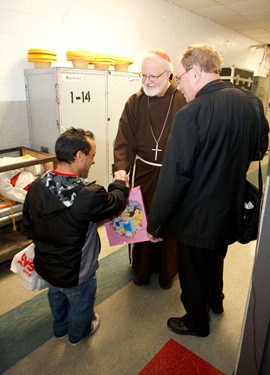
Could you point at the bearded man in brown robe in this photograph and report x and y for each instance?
(140, 143)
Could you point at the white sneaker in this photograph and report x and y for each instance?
(61, 337)
(94, 326)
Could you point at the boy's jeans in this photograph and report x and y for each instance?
(73, 309)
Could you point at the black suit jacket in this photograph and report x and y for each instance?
(199, 198)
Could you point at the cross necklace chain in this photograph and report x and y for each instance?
(156, 150)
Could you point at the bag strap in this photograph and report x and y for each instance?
(255, 102)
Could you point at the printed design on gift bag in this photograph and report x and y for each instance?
(27, 264)
(130, 225)
(130, 221)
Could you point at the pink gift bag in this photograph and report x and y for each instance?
(130, 225)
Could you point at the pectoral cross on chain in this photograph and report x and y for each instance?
(156, 150)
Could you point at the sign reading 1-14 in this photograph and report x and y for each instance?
(84, 97)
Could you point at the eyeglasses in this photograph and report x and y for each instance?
(152, 78)
(178, 79)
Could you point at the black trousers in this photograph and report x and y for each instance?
(201, 281)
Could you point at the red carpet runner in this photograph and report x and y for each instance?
(175, 359)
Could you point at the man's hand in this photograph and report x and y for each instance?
(154, 239)
(121, 175)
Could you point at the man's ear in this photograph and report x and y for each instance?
(79, 156)
(197, 72)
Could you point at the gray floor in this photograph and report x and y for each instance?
(133, 325)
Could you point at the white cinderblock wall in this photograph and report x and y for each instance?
(119, 27)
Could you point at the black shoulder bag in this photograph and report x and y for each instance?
(253, 195)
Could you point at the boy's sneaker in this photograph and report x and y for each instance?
(61, 337)
(94, 326)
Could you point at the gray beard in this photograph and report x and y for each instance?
(153, 91)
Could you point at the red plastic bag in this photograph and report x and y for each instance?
(23, 264)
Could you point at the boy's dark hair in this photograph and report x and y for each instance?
(72, 141)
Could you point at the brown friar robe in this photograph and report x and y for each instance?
(134, 137)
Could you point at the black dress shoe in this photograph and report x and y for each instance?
(167, 285)
(217, 309)
(216, 305)
(177, 325)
